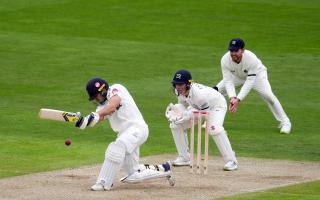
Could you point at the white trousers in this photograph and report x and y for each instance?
(132, 138)
(216, 130)
(124, 152)
(263, 87)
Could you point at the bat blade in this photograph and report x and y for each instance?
(58, 115)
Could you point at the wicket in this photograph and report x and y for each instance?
(199, 115)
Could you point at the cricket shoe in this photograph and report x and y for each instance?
(171, 176)
(99, 186)
(285, 128)
(230, 166)
(181, 161)
(147, 174)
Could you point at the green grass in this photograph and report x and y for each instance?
(306, 191)
(50, 49)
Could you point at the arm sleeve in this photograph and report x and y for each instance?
(113, 91)
(248, 84)
(227, 78)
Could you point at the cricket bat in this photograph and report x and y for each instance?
(58, 115)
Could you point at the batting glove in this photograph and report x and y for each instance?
(90, 120)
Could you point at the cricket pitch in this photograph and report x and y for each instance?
(252, 175)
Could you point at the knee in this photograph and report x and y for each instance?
(269, 98)
(215, 129)
(116, 152)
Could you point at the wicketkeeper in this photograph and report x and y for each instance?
(194, 96)
(117, 105)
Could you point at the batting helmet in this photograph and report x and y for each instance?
(97, 86)
(182, 76)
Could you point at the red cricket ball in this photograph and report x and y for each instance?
(67, 142)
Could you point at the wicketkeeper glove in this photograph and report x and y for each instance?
(186, 116)
(169, 110)
(177, 113)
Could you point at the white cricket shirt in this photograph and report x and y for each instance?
(202, 97)
(247, 70)
(127, 114)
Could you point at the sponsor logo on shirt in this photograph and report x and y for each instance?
(114, 91)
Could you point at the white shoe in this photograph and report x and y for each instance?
(230, 166)
(170, 177)
(285, 128)
(146, 174)
(97, 187)
(181, 161)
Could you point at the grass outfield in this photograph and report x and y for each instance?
(306, 191)
(49, 49)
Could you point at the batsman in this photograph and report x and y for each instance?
(117, 105)
(194, 96)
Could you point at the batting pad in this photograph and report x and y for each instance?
(181, 141)
(222, 141)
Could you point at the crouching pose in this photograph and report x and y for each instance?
(117, 105)
(195, 96)
(242, 67)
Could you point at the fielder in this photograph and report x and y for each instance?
(195, 96)
(117, 105)
(242, 67)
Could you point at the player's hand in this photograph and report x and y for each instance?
(90, 120)
(186, 116)
(80, 121)
(169, 110)
(233, 105)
